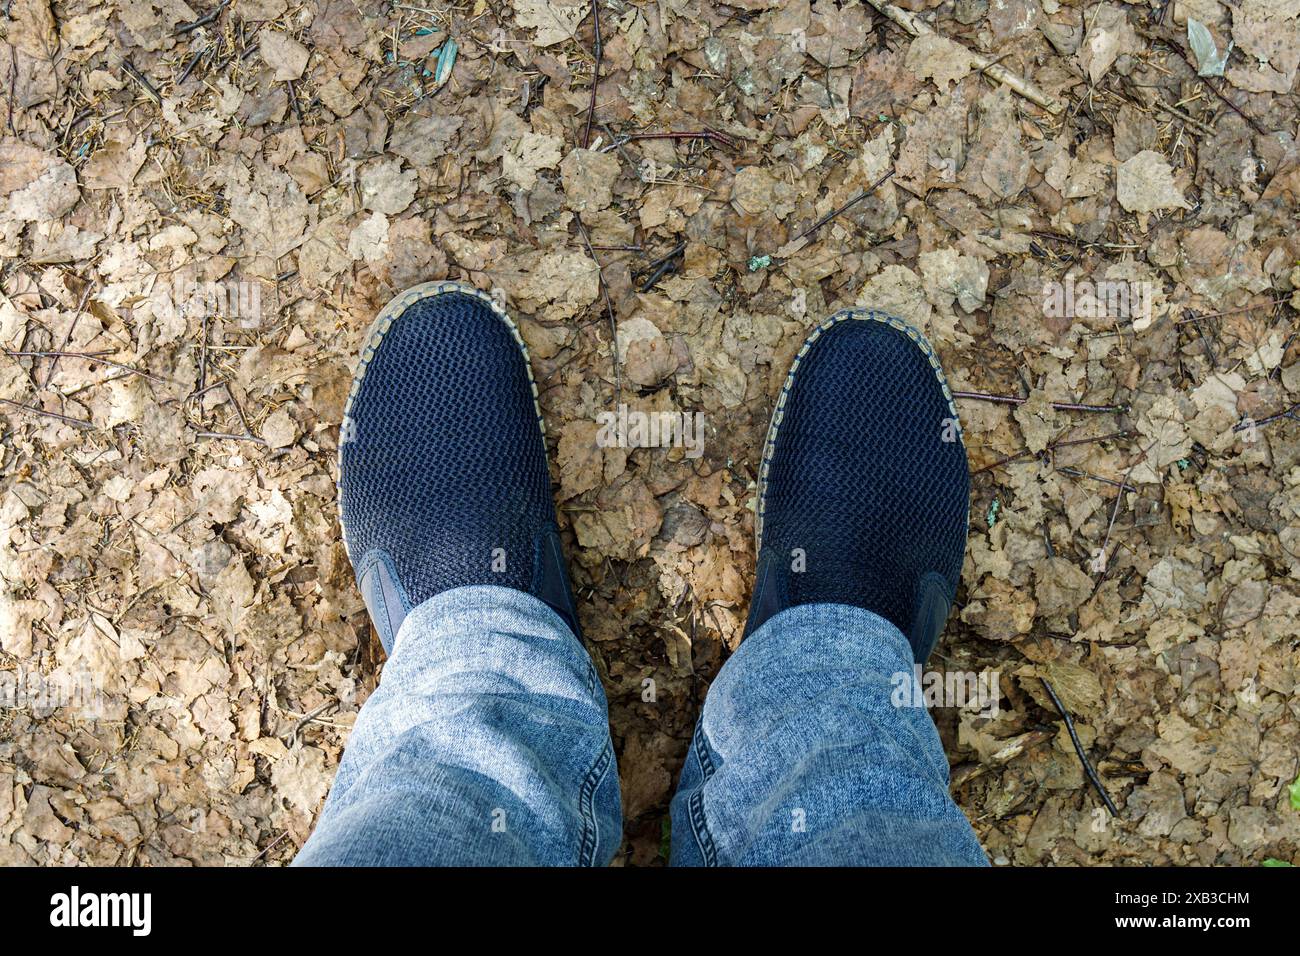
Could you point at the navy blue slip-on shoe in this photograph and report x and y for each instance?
(442, 459)
(863, 488)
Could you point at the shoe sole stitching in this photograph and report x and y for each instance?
(778, 412)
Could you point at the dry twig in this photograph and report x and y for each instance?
(1059, 406)
(990, 67)
(66, 419)
(1088, 768)
(609, 308)
(595, 78)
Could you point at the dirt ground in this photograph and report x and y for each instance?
(206, 204)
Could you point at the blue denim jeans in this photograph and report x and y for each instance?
(487, 742)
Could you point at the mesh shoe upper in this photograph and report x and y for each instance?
(864, 492)
(443, 479)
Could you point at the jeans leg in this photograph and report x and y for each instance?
(486, 743)
(801, 758)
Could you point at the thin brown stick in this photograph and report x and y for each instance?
(243, 419)
(203, 20)
(13, 85)
(844, 208)
(142, 81)
(1077, 473)
(1059, 406)
(208, 388)
(1177, 48)
(1273, 304)
(67, 337)
(670, 255)
(1001, 461)
(710, 134)
(609, 309)
(89, 357)
(1088, 768)
(918, 27)
(66, 419)
(271, 846)
(230, 394)
(228, 436)
(1285, 413)
(1122, 433)
(1174, 111)
(189, 67)
(203, 354)
(1048, 450)
(595, 78)
(661, 267)
(293, 99)
(307, 719)
(1114, 513)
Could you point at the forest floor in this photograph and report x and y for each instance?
(205, 205)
